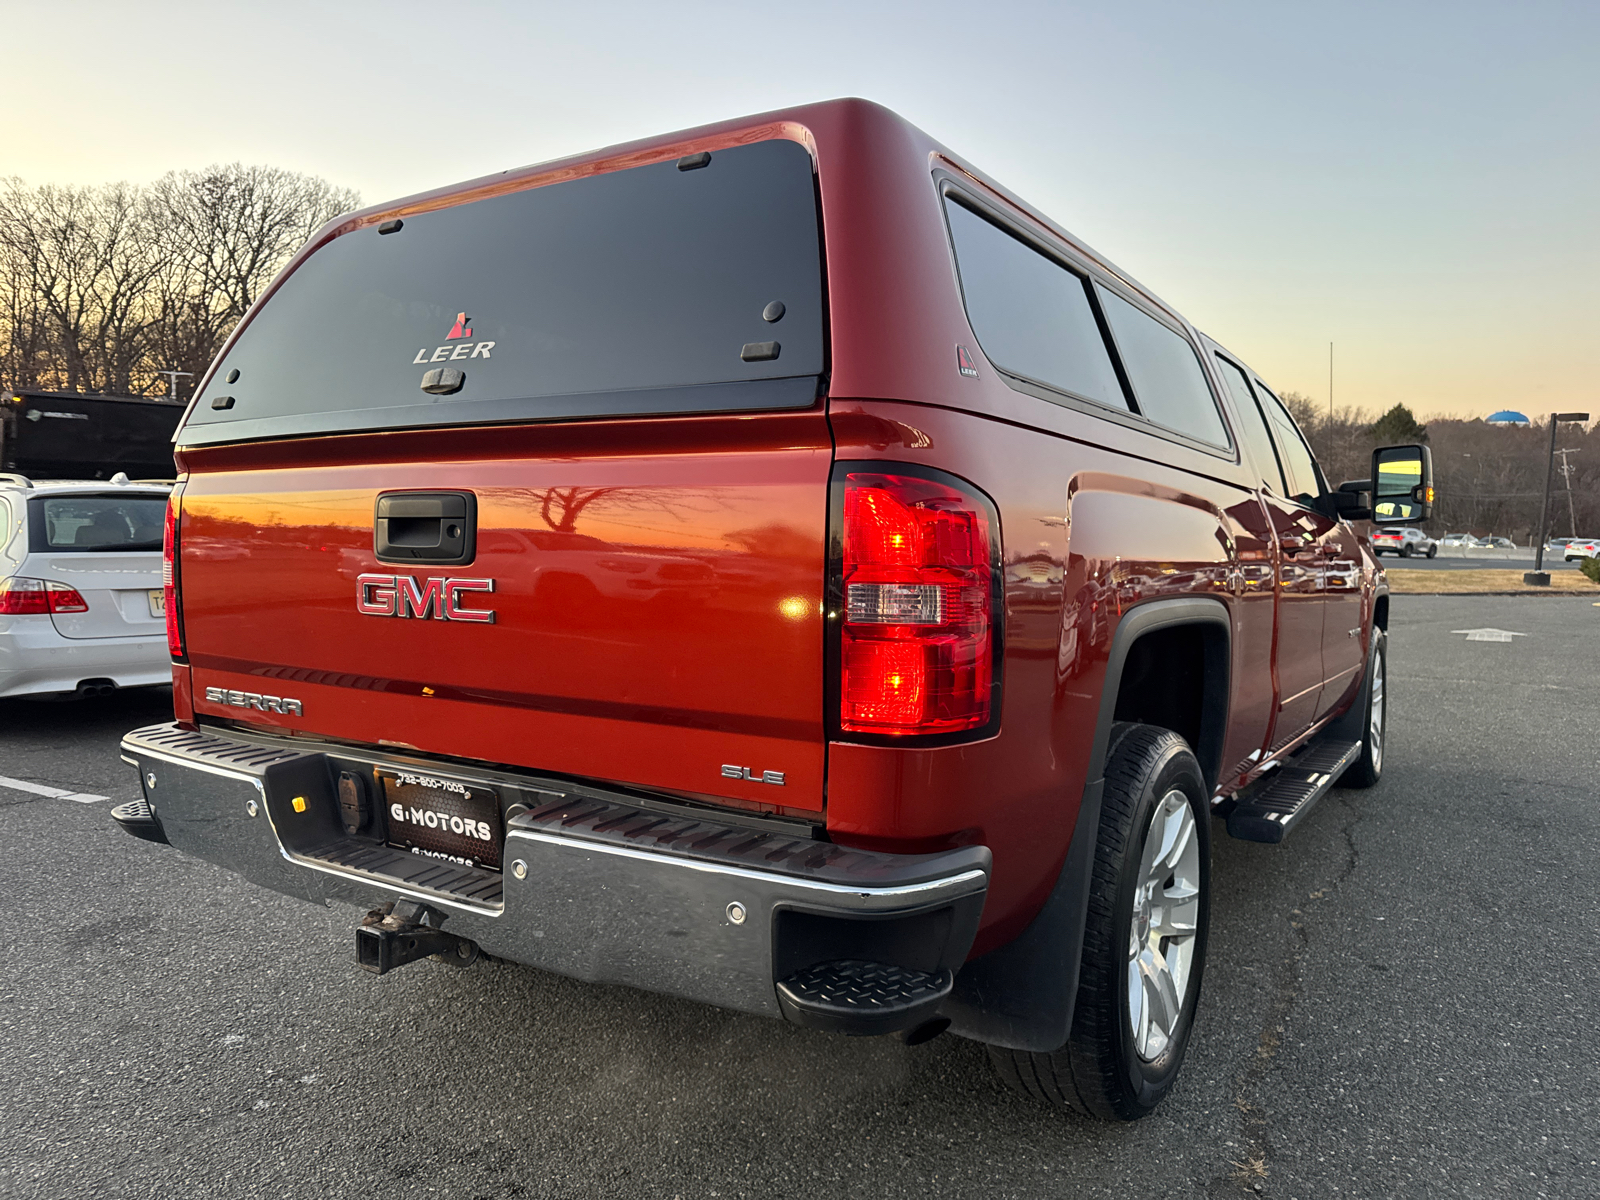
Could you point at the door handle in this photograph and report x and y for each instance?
(425, 527)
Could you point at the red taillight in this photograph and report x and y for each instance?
(169, 574)
(31, 597)
(918, 643)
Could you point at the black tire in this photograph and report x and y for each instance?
(1433, 551)
(1358, 722)
(1406, 551)
(1099, 1072)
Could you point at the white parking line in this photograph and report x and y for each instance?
(39, 789)
(1489, 635)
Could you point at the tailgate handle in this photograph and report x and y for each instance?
(425, 527)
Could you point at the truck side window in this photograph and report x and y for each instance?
(1299, 468)
(1253, 428)
(1165, 372)
(1031, 315)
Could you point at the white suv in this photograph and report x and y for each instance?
(1404, 542)
(82, 609)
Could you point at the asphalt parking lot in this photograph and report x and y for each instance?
(1401, 1001)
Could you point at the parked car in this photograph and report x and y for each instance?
(1581, 548)
(970, 581)
(1404, 542)
(82, 610)
(1557, 543)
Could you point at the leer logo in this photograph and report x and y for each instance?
(464, 349)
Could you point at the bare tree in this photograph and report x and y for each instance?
(229, 230)
(25, 355)
(78, 261)
(101, 288)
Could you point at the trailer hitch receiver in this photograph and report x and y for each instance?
(403, 931)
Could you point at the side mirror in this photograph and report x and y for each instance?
(1402, 485)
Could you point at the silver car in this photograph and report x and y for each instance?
(82, 610)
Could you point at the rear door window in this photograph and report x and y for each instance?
(91, 523)
(1168, 382)
(1032, 316)
(650, 289)
(1253, 428)
(1299, 468)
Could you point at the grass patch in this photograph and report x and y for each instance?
(1459, 583)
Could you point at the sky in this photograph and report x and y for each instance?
(1416, 183)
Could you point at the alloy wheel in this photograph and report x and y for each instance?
(1166, 914)
(1375, 721)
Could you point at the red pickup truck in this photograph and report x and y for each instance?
(772, 565)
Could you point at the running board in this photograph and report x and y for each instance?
(1288, 796)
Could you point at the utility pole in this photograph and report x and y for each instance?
(172, 382)
(1566, 474)
(1330, 405)
(1539, 577)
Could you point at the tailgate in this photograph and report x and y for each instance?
(657, 594)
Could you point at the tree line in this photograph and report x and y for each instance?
(103, 287)
(1489, 478)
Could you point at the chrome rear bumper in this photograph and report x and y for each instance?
(599, 886)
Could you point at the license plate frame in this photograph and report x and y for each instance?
(157, 599)
(413, 799)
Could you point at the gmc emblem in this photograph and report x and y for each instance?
(436, 596)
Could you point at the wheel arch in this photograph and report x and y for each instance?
(1175, 673)
(1021, 995)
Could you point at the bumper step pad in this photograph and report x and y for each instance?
(850, 996)
(139, 819)
(1286, 797)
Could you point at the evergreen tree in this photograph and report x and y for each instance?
(1398, 426)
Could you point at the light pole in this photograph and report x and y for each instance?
(1539, 577)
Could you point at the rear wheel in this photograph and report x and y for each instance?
(1144, 938)
(1406, 551)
